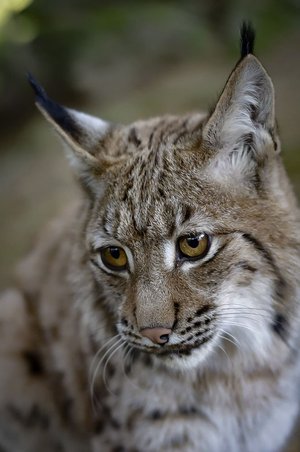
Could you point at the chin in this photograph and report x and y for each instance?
(187, 361)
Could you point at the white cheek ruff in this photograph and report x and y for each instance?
(247, 315)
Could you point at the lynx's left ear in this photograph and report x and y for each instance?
(81, 132)
(242, 124)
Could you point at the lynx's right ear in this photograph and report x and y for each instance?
(81, 132)
(242, 128)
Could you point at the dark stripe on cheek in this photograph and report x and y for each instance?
(245, 266)
(259, 247)
(280, 281)
(280, 325)
(204, 310)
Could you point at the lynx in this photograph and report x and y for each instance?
(161, 313)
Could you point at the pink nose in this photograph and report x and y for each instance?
(157, 335)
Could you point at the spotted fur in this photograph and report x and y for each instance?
(77, 374)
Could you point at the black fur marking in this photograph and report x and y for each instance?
(206, 339)
(132, 137)
(259, 247)
(280, 288)
(176, 309)
(156, 415)
(245, 266)
(280, 322)
(133, 335)
(202, 311)
(281, 283)
(187, 213)
(280, 325)
(247, 39)
(162, 195)
(199, 333)
(57, 112)
(184, 353)
(188, 410)
(150, 140)
(34, 362)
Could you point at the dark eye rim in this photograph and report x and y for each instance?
(181, 257)
(107, 264)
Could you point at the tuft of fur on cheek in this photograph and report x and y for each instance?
(246, 313)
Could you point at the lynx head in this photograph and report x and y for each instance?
(188, 221)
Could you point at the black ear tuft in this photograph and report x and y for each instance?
(247, 39)
(37, 88)
(57, 112)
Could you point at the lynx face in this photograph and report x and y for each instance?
(183, 259)
(187, 221)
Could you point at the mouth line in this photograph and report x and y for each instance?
(174, 349)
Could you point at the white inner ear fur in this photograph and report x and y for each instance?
(78, 155)
(92, 128)
(252, 89)
(231, 124)
(235, 164)
(77, 151)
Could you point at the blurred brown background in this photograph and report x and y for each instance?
(122, 60)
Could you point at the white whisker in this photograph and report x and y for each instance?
(221, 348)
(105, 367)
(233, 341)
(92, 386)
(241, 325)
(110, 339)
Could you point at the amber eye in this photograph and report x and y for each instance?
(114, 257)
(194, 246)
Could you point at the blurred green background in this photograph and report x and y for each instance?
(122, 60)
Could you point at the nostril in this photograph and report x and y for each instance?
(157, 335)
(164, 338)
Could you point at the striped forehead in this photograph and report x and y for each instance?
(125, 221)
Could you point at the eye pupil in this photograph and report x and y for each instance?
(193, 242)
(115, 252)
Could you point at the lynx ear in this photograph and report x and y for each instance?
(242, 124)
(81, 132)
